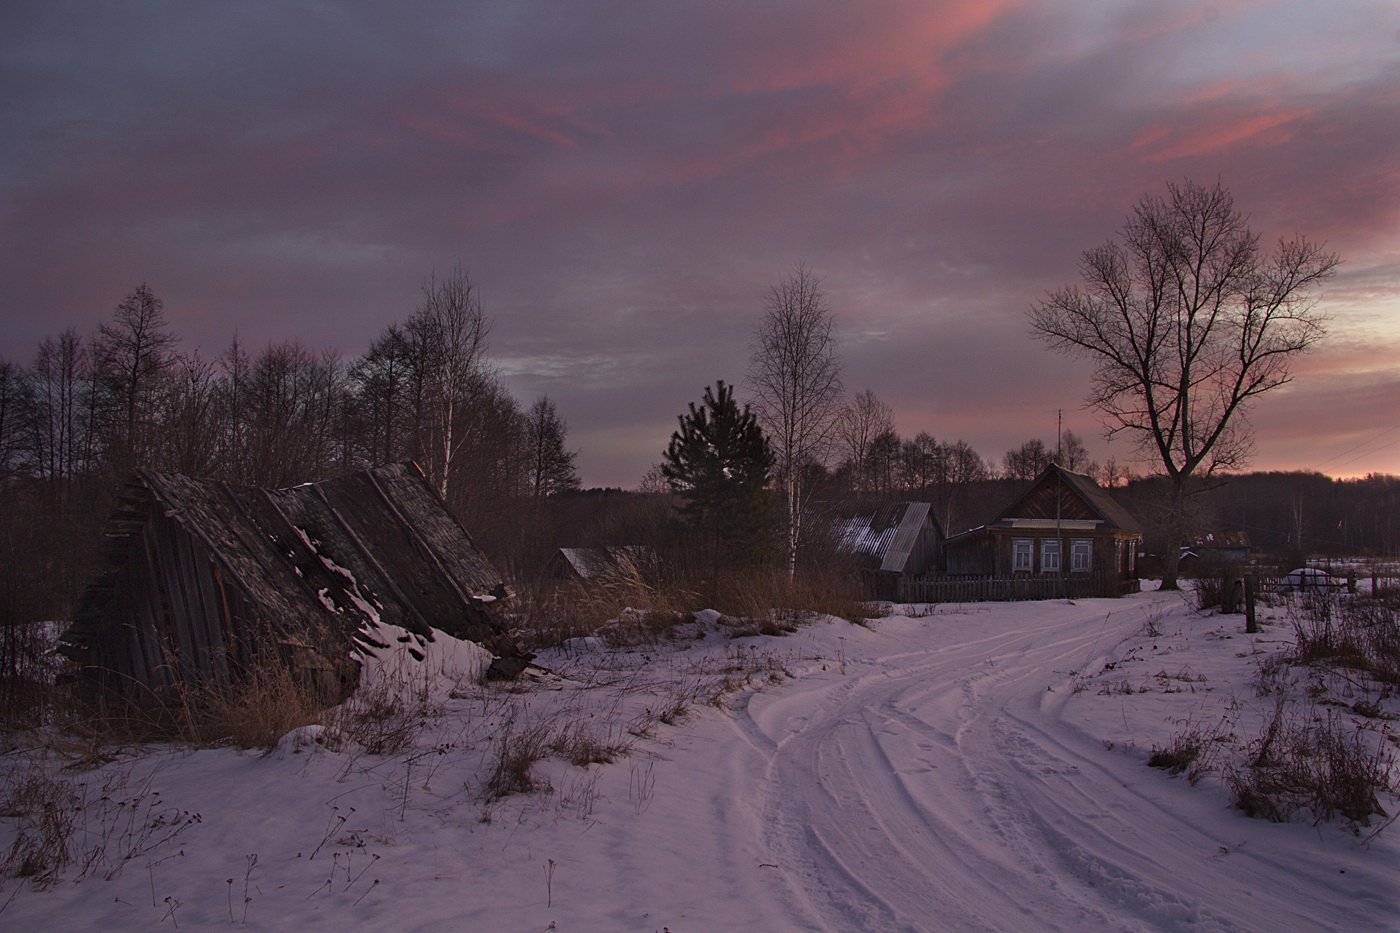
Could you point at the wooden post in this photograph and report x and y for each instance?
(1228, 603)
(1251, 625)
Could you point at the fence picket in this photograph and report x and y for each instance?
(1008, 589)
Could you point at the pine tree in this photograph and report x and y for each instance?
(719, 462)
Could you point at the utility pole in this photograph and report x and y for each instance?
(1059, 498)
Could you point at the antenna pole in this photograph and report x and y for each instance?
(1059, 436)
(1059, 497)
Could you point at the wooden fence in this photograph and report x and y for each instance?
(1010, 589)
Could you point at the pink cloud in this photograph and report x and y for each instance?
(1194, 134)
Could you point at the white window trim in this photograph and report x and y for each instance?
(1019, 547)
(1050, 555)
(1077, 547)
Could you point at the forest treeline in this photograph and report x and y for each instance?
(89, 408)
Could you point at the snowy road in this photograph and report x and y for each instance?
(939, 784)
(983, 768)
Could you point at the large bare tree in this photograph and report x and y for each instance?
(797, 386)
(1187, 322)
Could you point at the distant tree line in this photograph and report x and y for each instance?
(88, 409)
(1288, 516)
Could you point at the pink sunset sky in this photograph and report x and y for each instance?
(624, 181)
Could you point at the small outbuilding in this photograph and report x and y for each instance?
(590, 564)
(204, 581)
(1064, 525)
(1210, 552)
(888, 541)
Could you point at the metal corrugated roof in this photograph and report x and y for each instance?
(881, 536)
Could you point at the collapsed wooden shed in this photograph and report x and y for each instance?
(204, 581)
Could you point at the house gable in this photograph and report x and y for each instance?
(1058, 494)
(1063, 524)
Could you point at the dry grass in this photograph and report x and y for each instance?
(97, 830)
(381, 717)
(260, 706)
(45, 809)
(1313, 763)
(551, 613)
(580, 745)
(626, 607)
(1192, 750)
(776, 604)
(516, 750)
(1360, 634)
(256, 713)
(385, 714)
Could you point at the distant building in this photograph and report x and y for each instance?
(1214, 550)
(584, 564)
(1065, 524)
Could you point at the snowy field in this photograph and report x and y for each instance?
(977, 767)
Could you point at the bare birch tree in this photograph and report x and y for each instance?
(797, 386)
(448, 335)
(863, 420)
(1187, 323)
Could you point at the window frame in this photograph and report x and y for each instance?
(1022, 548)
(1050, 548)
(1081, 547)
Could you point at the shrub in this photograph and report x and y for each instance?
(517, 749)
(1314, 764)
(1362, 634)
(1192, 750)
(1209, 592)
(28, 668)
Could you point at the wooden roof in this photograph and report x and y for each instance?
(1086, 500)
(321, 562)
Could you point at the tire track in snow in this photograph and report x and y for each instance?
(937, 792)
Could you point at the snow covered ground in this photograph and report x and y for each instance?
(977, 767)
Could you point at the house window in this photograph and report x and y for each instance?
(1049, 555)
(1081, 555)
(1021, 555)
